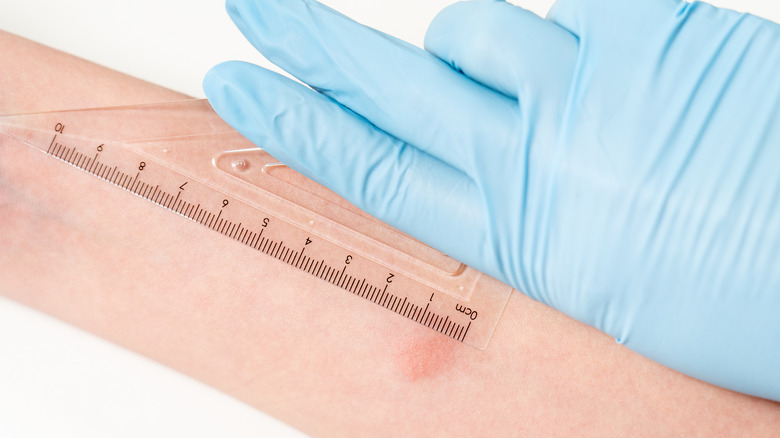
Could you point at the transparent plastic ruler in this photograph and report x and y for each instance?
(184, 158)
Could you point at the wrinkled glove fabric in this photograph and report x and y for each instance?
(618, 161)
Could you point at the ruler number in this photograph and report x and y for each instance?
(472, 314)
(100, 148)
(225, 203)
(265, 222)
(390, 278)
(349, 259)
(59, 127)
(308, 241)
(142, 165)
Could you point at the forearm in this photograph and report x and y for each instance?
(249, 326)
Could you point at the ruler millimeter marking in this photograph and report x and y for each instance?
(180, 156)
(276, 249)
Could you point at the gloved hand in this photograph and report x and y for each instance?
(618, 161)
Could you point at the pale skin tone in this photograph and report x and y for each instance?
(135, 274)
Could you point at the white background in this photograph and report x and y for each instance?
(58, 381)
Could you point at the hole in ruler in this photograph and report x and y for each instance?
(267, 173)
(388, 235)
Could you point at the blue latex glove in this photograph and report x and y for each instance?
(619, 161)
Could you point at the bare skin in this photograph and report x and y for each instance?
(248, 325)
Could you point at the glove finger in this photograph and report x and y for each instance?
(376, 172)
(400, 88)
(504, 47)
